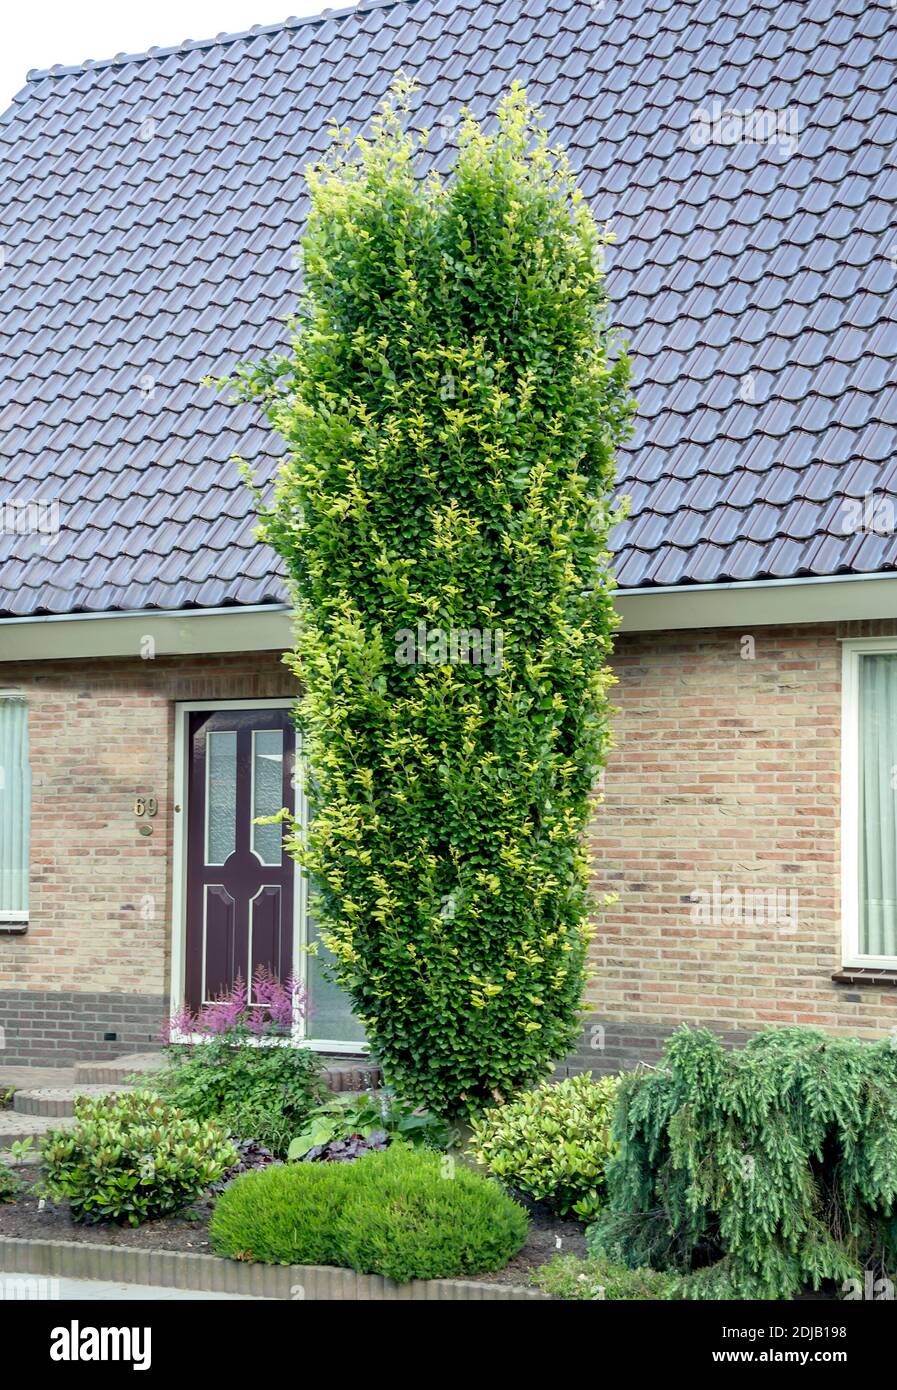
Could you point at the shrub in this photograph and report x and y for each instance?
(240, 1072)
(132, 1158)
(265, 1093)
(371, 1120)
(400, 1213)
(764, 1170)
(410, 1218)
(571, 1278)
(285, 1214)
(10, 1183)
(552, 1143)
(451, 402)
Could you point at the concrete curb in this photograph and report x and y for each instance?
(176, 1269)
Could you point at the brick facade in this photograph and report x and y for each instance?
(726, 771)
(96, 956)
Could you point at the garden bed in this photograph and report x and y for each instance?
(24, 1219)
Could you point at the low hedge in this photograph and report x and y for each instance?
(404, 1213)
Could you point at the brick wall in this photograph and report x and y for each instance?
(101, 733)
(726, 771)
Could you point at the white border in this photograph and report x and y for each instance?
(180, 791)
(852, 650)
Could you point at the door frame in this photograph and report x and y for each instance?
(180, 797)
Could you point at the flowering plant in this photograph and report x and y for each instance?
(270, 1008)
(232, 1061)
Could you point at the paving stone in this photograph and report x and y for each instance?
(58, 1100)
(14, 1126)
(119, 1069)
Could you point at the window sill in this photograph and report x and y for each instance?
(877, 975)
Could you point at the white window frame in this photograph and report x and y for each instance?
(852, 651)
(181, 786)
(14, 919)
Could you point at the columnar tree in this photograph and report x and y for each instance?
(451, 402)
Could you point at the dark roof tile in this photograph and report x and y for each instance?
(754, 282)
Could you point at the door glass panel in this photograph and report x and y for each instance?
(221, 797)
(267, 792)
(330, 1011)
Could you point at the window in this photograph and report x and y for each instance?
(15, 809)
(869, 826)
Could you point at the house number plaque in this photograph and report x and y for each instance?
(145, 806)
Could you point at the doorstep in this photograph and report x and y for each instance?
(44, 1097)
(340, 1073)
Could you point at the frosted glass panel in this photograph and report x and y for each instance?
(331, 1017)
(15, 809)
(221, 800)
(267, 792)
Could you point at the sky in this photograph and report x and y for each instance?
(42, 33)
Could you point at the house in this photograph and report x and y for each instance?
(152, 205)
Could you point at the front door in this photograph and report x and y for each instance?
(239, 877)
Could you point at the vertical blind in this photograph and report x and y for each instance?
(15, 808)
(878, 805)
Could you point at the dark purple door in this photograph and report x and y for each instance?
(239, 877)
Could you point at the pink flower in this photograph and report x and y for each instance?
(270, 1009)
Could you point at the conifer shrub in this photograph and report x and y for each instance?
(759, 1172)
(403, 1212)
(451, 404)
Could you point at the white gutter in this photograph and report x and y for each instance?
(147, 634)
(268, 627)
(822, 599)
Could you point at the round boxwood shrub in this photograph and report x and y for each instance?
(552, 1143)
(405, 1213)
(284, 1214)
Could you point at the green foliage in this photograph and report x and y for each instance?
(11, 1184)
(265, 1092)
(568, 1277)
(451, 405)
(552, 1143)
(368, 1113)
(764, 1170)
(405, 1213)
(130, 1158)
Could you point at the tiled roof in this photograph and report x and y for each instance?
(151, 205)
